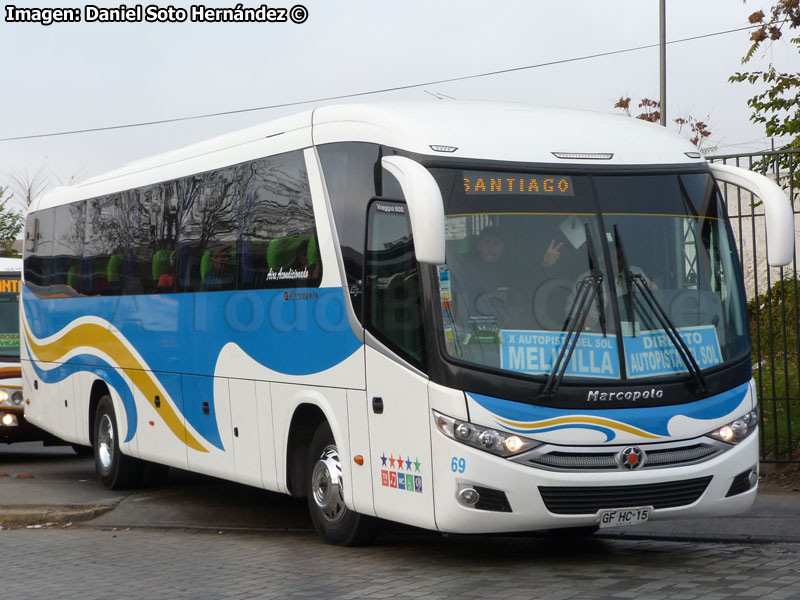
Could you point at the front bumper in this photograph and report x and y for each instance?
(523, 488)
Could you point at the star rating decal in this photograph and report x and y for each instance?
(401, 473)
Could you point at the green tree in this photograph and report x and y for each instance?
(11, 223)
(778, 105)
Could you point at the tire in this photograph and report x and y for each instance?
(82, 450)
(335, 523)
(115, 470)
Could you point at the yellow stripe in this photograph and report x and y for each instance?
(578, 214)
(628, 214)
(579, 420)
(556, 214)
(108, 343)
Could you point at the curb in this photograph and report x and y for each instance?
(13, 516)
(722, 538)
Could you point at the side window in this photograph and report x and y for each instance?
(393, 305)
(104, 247)
(152, 254)
(207, 243)
(277, 243)
(67, 248)
(39, 249)
(353, 177)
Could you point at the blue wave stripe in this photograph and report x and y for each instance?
(294, 331)
(100, 368)
(654, 419)
(609, 433)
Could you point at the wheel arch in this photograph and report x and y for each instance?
(99, 389)
(306, 419)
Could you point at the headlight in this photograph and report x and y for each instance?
(16, 398)
(735, 431)
(3, 397)
(483, 438)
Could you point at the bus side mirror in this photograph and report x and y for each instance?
(777, 208)
(425, 207)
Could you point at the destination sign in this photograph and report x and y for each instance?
(648, 354)
(478, 183)
(536, 352)
(653, 353)
(10, 286)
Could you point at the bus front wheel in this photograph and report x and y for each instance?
(334, 522)
(116, 471)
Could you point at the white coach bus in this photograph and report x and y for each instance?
(466, 317)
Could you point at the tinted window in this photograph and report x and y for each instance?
(67, 247)
(353, 177)
(394, 311)
(278, 245)
(104, 249)
(207, 244)
(152, 252)
(242, 227)
(39, 248)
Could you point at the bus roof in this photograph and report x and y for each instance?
(476, 130)
(10, 265)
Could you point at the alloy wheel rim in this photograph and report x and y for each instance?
(326, 485)
(105, 443)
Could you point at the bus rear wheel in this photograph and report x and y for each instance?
(335, 523)
(116, 471)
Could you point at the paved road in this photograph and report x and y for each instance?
(54, 477)
(148, 563)
(59, 478)
(201, 538)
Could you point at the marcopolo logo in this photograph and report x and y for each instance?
(631, 395)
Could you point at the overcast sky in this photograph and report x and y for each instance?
(87, 75)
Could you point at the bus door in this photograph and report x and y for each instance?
(397, 391)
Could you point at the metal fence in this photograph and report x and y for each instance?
(773, 310)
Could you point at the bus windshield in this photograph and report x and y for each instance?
(628, 262)
(9, 317)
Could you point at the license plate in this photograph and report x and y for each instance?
(622, 517)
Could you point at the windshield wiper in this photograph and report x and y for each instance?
(628, 275)
(640, 283)
(590, 287)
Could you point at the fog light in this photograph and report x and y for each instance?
(752, 479)
(468, 497)
(9, 420)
